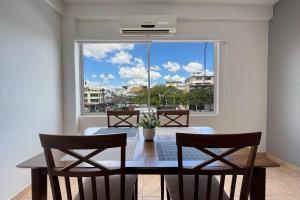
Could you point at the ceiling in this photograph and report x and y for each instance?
(221, 2)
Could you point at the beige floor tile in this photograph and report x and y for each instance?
(151, 186)
(150, 198)
(282, 186)
(28, 194)
(140, 185)
(282, 171)
(269, 197)
(288, 197)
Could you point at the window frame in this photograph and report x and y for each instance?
(148, 42)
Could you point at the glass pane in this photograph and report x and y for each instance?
(115, 76)
(182, 76)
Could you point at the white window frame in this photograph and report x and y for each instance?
(216, 72)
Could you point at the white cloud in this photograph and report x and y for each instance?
(176, 77)
(106, 77)
(100, 51)
(137, 82)
(98, 84)
(94, 75)
(121, 57)
(154, 75)
(193, 67)
(172, 66)
(137, 72)
(138, 62)
(155, 68)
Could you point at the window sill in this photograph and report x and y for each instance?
(192, 114)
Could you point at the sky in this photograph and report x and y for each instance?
(112, 65)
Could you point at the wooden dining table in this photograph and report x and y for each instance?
(147, 157)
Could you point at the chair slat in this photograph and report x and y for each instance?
(80, 188)
(221, 187)
(208, 187)
(196, 177)
(232, 188)
(68, 188)
(94, 187)
(107, 187)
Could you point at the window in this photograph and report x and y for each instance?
(182, 75)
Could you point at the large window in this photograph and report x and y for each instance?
(149, 76)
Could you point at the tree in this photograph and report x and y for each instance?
(200, 97)
(161, 96)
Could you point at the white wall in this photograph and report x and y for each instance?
(245, 28)
(30, 85)
(284, 82)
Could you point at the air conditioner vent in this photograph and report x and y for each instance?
(148, 25)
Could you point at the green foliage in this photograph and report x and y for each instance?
(162, 96)
(149, 120)
(201, 96)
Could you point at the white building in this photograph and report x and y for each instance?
(198, 80)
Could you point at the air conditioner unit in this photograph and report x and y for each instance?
(148, 25)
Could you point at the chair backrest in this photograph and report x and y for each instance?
(173, 118)
(220, 151)
(123, 118)
(66, 169)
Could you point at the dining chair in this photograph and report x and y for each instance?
(94, 180)
(173, 118)
(122, 118)
(206, 180)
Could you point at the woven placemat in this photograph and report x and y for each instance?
(167, 151)
(131, 132)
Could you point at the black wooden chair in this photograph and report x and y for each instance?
(200, 182)
(173, 118)
(122, 118)
(95, 181)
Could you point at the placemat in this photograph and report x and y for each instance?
(131, 132)
(167, 151)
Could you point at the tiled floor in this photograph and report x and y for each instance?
(283, 183)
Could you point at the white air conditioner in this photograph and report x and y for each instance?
(148, 25)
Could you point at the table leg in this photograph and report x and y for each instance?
(39, 184)
(162, 187)
(258, 185)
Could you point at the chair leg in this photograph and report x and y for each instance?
(162, 186)
(136, 189)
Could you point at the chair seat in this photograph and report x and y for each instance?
(188, 184)
(114, 184)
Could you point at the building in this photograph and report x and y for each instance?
(94, 94)
(177, 84)
(133, 89)
(198, 80)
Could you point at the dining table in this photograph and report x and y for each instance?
(148, 157)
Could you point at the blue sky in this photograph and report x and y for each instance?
(117, 64)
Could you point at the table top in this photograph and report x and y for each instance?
(145, 158)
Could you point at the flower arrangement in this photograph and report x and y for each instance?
(149, 121)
